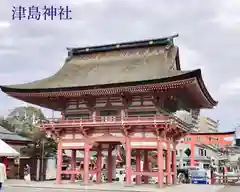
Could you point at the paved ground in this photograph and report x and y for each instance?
(24, 189)
(230, 189)
(22, 186)
(27, 189)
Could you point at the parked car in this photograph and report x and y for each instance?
(184, 174)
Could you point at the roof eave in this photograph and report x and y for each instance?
(205, 91)
(17, 141)
(217, 133)
(191, 74)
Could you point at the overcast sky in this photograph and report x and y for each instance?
(209, 38)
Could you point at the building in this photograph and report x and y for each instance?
(195, 113)
(237, 137)
(14, 166)
(119, 94)
(205, 155)
(13, 139)
(207, 125)
(191, 116)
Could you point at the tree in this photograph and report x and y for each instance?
(25, 122)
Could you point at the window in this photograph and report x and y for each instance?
(206, 166)
(198, 138)
(188, 139)
(77, 116)
(201, 152)
(142, 113)
(108, 113)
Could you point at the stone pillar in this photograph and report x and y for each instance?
(128, 162)
(86, 164)
(168, 163)
(160, 163)
(145, 166)
(181, 158)
(99, 164)
(138, 167)
(59, 163)
(109, 163)
(73, 164)
(174, 164)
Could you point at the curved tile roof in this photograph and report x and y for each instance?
(111, 68)
(7, 135)
(116, 65)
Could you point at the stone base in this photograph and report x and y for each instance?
(83, 184)
(128, 185)
(160, 186)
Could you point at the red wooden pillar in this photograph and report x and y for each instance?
(212, 177)
(192, 156)
(59, 163)
(5, 160)
(110, 163)
(174, 164)
(168, 163)
(86, 164)
(73, 164)
(160, 164)
(128, 162)
(145, 166)
(99, 164)
(138, 167)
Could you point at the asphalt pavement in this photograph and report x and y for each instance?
(31, 189)
(230, 189)
(25, 189)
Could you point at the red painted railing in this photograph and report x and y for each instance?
(112, 121)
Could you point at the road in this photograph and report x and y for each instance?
(24, 189)
(230, 189)
(31, 189)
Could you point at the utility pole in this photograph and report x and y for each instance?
(42, 158)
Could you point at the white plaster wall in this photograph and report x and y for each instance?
(184, 147)
(234, 157)
(51, 169)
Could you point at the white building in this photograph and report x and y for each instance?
(205, 155)
(207, 125)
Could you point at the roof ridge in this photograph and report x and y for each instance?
(121, 45)
(10, 133)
